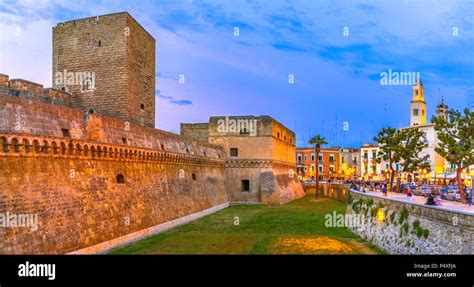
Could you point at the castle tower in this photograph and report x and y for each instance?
(108, 63)
(442, 110)
(418, 105)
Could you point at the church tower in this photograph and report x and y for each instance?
(442, 110)
(418, 105)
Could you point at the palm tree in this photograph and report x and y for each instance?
(318, 141)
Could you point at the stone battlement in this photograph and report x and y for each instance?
(96, 19)
(29, 90)
(39, 117)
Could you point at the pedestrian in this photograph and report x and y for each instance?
(430, 200)
(469, 198)
(408, 193)
(384, 189)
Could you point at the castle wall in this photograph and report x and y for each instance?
(283, 143)
(271, 182)
(280, 186)
(80, 203)
(266, 158)
(249, 147)
(71, 180)
(198, 131)
(35, 117)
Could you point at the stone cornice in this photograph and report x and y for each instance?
(258, 163)
(25, 145)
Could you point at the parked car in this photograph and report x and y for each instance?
(424, 190)
(452, 194)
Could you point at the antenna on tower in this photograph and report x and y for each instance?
(322, 128)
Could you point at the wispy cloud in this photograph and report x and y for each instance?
(335, 75)
(172, 100)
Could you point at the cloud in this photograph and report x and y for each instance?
(248, 73)
(181, 102)
(172, 100)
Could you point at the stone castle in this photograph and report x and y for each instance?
(84, 156)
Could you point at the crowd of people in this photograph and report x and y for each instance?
(433, 198)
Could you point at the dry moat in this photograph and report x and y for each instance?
(295, 228)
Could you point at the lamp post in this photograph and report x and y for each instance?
(445, 171)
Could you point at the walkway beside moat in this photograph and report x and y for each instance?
(295, 228)
(448, 205)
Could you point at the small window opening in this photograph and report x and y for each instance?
(120, 179)
(66, 133)
(234, 151)
(245, 185)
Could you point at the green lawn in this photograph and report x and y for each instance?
(294, 228)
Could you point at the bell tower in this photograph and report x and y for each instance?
(418, 105)
(442, 110)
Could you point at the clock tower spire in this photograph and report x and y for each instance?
(418, 105)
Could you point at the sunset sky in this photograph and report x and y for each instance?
(336, 77)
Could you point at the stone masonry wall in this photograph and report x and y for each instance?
(270, 181)
(199, 131)
(120, 53)
(79, 201)
(20, 115)
(408, 228)
(71, 180)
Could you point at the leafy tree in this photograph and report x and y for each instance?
(402, 146)
(412, 143)
(456, 141)
(318, 141)
(389, 140)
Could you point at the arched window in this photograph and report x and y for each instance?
(120, 179)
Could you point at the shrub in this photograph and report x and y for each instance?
(417, 228)
(369, 202)
(403, 216)
(426, 233)
(392, 217)
(404, 229)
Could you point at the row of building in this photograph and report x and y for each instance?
(360, 163)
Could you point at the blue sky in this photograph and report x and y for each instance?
(336, 77)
